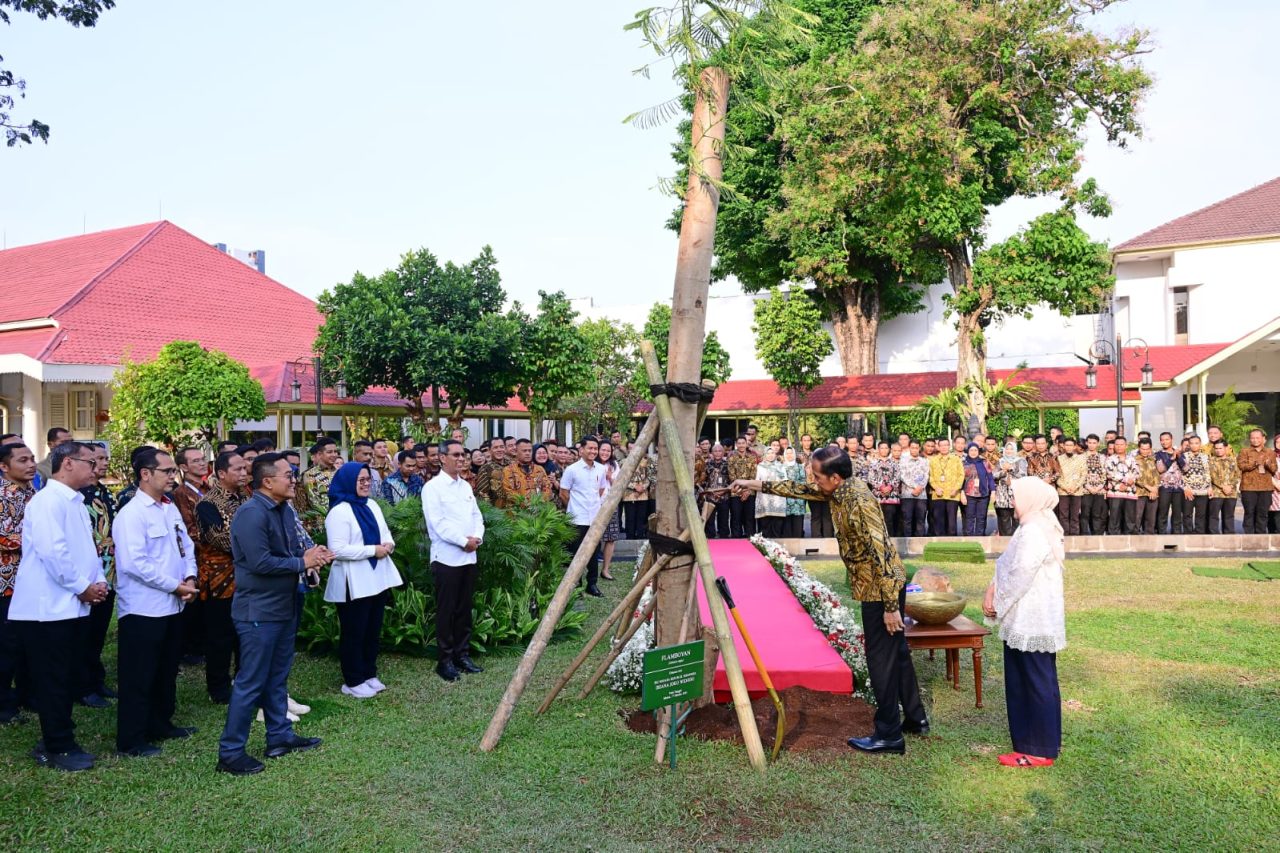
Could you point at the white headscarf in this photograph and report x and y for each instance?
(1034, 501)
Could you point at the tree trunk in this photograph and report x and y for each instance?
(856, 323)
(971, 339)
(688, 324)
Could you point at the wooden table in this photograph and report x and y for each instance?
(960, 633)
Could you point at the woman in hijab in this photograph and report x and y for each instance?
(978, 486)
(359, 577)
(793, 525)
(1025, 602)
(1010, 467)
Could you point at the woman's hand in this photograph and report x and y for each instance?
(380, 551)
(989, 602)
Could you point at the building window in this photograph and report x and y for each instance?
(84, 414)
(1181, 314)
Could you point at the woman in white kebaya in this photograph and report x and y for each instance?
(1025, 602)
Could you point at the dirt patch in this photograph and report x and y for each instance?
(816, 722)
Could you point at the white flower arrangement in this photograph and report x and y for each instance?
(828, 612)
(626, 673)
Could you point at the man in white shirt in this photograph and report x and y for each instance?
(456, 529)
(155, 577)
(59, 578)
(581, 486)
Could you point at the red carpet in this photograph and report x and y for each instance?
(793, 651)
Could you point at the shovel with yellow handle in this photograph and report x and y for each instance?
(723, 586)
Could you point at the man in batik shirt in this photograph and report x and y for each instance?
(93, 691)
(1147, 487)
(1197, 483)
(713, 487)
(404, 482)
(884, 480)
(1224, 488)
(742, 507)
(311, 499)
(1043, 464)
(18, 465)
(522, 479)
(489, 478)
(1093, 503)
(216, 571)
(1122, 490)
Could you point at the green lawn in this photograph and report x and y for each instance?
(1172, 741)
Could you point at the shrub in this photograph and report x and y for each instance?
(519, 567)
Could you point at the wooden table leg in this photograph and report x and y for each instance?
(947, 656)
(977, 676)
(954, 654)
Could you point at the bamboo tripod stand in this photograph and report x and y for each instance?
(663, 422)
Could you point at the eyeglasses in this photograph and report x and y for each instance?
(88, 461)
(456, 455)
(291, 477)
(168, 472)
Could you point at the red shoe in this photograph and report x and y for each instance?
(1018, 759)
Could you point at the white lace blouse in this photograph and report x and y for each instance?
(1029, 605)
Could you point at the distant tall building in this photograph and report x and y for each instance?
(256, 258)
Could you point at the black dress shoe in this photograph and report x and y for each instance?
(875, 744)
(176, 733)
(70, 761)
(447, 671)
(142, 750)
(242, 765)
(466, 664)
(595, 590)
(192, 660)
(221, 697)
(93, 700)
(921, 729)
(295, 744)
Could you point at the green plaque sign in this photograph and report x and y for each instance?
(672, 674)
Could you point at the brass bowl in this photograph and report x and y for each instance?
(934, 608)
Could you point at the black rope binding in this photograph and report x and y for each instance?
(668, 546)
(685, 392)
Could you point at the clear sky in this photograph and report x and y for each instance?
(337, 136)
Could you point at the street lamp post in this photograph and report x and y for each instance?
(1103, 351)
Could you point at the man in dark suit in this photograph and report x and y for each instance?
(268, 563)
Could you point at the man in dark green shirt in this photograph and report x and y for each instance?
(877, 579)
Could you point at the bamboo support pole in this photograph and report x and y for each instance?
(684, 483)
(560, 601)
(617, 649)
(644, 567)
(625, 606)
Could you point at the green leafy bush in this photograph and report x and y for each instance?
(520, 565)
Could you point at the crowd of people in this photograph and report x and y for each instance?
(950, 487)
(205, 563)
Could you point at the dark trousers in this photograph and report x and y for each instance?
(1034, 703)
(1124, 516)
(635, 519)
(893, 676)
(718, 525)
(192, 617)
(742, 516)
(361, 623)
(221, 645)
(455, 589)
(148, 650)
(1169, 512)
(942, 521)
(15, 678)
(1222, 514)
(593, 564)
(93, 676)
(793, 527)
(1195, 514)
(892, 518)
(1069, 514)
(1256, 506)
(914, 511)
(55, 651)
(820, 524)
(975, 516)
(266, 656)
(1273, 521)
(1146, 518)
(1006, 521)
(770, 526)
(1093, 515)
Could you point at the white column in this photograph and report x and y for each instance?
(33, 415)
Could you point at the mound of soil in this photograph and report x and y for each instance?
(816, 722)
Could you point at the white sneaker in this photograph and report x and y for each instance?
(360, 691)
(298, 708)
(289, 715)
(377, 685)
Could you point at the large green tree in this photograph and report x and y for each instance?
(611, 396)
(434, 333)
(554, 358)
(948, 108)
(791, 344)
(181, 394)
(657, 328)
(77, 13)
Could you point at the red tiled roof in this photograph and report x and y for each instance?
(277, 384)
(126, 293)
(903, 390)
(1252, 213)
(31, 342)
(1166, 362)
